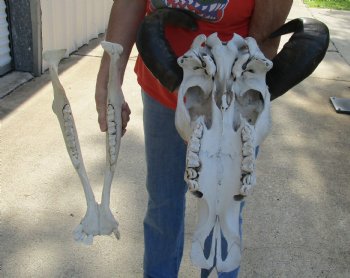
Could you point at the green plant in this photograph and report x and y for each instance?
(329, 4)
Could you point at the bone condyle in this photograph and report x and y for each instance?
(98, 219)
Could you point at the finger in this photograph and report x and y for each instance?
(125, 115)
(101, 107)
(123, 132)
(126, 107)
(125, 119)
(102, 121)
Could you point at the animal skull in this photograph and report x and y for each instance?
(98, 219)
(223, 112)
(219, 94)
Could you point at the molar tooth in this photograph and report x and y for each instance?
(247, 151)
(194, 145)
(245, 189)
(191, 173)
(110, 115)
(67, 117)
(71, 144)
(68, 132)
(111, 123)
(192, 185)
(248, 167)
(113, 158)
(192, 160)
(249, 179)
(246, 134)
(198, 131)
(67, 109)
(111, 144)
(68, 124)
(70, 137)
(112, 129)
(111, 149)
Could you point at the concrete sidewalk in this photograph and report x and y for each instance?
(296, 222)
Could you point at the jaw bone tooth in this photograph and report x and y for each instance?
(112, 149)
(113, 157)
(191, 174)
(112, 137)
(248, 150)
(192, 160)
(194, 145)
(68, 124)
(112, 129)
(192, 185)
(249, 181)
(198, 131)
(248, 164)
(247, 133)
(71, 144)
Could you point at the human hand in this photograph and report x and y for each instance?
(101, 94)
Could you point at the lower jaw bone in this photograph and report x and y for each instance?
(98, 219)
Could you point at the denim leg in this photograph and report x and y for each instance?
(164, 220)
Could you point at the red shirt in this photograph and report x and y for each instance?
(227, 17)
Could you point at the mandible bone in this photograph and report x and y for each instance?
(98, 219)
(223, 112)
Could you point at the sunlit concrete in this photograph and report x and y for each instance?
(296, 222)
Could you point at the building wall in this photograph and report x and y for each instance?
(21, 34)
(5, 57)
(70, 24)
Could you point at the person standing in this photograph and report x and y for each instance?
(165, 150)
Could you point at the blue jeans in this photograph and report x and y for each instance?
(164, 220)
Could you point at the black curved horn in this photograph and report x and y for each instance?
(300, 56)
(155, 50)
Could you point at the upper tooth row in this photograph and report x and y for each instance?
(192, 158)
(69, 132)
(248, 161)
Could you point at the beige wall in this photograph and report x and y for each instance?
(70, 24)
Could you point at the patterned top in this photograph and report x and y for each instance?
(225, 17)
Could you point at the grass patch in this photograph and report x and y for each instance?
(329, 4)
